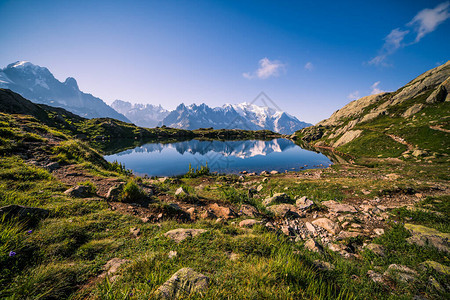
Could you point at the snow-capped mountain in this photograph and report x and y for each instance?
(39, 85)
(145, 115)
(239, 116)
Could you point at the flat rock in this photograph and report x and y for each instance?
(276, 199)
(376, 249)
(181, 234)
(303, 203)
(183, 283)
(112, 266)
(248, 223)
(327, 224)
(313, 246)
(222, 211)
(310, 227)
(348, 234)
(423, 236)
(323, 265)
(339, 207)
(403, 273)
(259, 188)
(249, 210)
(285, 211)
(79, 191)
(375, 277)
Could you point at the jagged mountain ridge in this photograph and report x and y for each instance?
(145, 115)
(40, 86)
(240, 116)
(415, 117)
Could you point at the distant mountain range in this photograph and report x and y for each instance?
(40, 86)
(144, 115)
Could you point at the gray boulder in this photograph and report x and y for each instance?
(181, 234)
(277, 198)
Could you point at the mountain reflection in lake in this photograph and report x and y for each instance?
(157, 159)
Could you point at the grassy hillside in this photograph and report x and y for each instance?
(410, 123)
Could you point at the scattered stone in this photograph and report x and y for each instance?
(163, 179)
(423, 236)
(418, 152)
(375, 277)
(79, 191)
(234, 256)
(145, 219)
(348, 234)
(259, 188)
(327, 224)
(112, 266)
(303, 203)
(265, 179)
(310, 227)
(274, 172)
(181, 192)
(249, 210)
(222, 211)
(135, 231)
(339, 207)
(313, 246)
(114, 192)
(182, 284)
(378, 231)
(52, 166)
(248, 223)
(21, 212)
(439, 268)
(392, 176)
(208, 214)
(323, 265)
(285, 211)
(172, 254)
(403, 273)
(181, 234)
(376, 249)
(277, 198)
(264, 173)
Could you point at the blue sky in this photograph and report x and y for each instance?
(309, 58)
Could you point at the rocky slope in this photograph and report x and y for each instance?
(40, 86)
(412, 120)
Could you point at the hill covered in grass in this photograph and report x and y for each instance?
(412, 122)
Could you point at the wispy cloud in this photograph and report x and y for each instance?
(353, 95)
(267, 68)
(376, 89)
(309, 66)
(426, 21)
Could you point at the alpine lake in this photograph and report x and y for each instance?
(230, 157)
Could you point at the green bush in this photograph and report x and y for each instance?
(132, 192)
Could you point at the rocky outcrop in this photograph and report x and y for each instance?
(181, 234)
(183, 283)
(424, 236)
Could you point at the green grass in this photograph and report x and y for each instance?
(373, 144)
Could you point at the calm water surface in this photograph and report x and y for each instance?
(158, 159)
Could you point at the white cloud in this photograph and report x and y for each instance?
(353, 95)
(267, 68)
(376, 89)
(423, 23)
(309, 66)
(427, 20)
